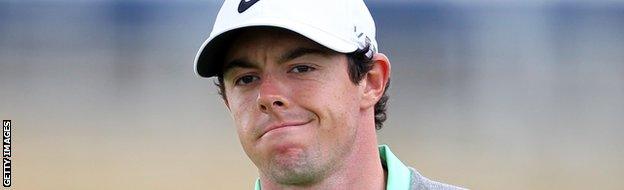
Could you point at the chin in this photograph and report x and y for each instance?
(294, 169)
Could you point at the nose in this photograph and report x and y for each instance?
(271, 96)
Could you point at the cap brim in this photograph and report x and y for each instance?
(208, 59)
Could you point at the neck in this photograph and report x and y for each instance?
(361, 168)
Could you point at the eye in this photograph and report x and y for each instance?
(245, 80)
(301, 69)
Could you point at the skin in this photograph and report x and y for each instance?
(299, 118)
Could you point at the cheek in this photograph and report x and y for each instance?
(242, 112)
(344, 109)
(334, 102)
(337, 111)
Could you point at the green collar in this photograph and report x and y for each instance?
(399, 175)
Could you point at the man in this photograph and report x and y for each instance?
(306, 87)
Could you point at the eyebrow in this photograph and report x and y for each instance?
(290, 55)
(238, 63)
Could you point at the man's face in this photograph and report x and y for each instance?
(294, 106)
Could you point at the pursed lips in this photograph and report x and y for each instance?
(282, 125)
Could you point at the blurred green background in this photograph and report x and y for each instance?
(485, 94)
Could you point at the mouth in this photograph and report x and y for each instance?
(284, 125)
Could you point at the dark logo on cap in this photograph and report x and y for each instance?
(245, 4)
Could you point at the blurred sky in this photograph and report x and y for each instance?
(484, 94)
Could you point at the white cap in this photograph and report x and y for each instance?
(341, 25)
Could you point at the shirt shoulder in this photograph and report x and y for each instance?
(419, 182)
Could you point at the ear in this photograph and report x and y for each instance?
(374, 82)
